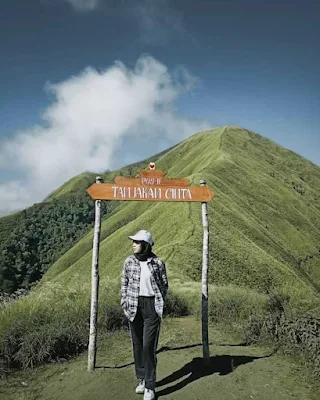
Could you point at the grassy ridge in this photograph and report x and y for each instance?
(172, 223)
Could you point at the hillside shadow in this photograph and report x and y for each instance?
(167, 348)
(196, 369)
(190, 346)
(115, 366)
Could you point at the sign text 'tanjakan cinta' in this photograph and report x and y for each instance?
(151, 186)
(151, 193)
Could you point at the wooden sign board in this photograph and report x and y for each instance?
(151, 186)
(112, 191)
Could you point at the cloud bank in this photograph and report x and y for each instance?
(99, 120)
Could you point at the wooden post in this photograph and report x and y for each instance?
(151, 186)
(92, 349)
(205, 263)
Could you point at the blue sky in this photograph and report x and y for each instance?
(103, 83)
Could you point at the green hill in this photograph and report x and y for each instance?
(264, 220)
(264, 243)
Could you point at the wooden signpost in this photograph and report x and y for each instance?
(111, 191)
(150, 186)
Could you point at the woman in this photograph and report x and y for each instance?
(144, 287)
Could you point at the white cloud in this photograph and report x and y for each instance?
(98, 121)
(84, 5)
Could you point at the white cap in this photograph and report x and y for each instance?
(143, 235)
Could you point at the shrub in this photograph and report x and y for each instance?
(295, 334)
(235, 304)
(175, 306)
(59, 328)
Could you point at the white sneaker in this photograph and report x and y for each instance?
(140, 387)
(149, 394)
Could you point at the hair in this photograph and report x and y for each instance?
(145, 247)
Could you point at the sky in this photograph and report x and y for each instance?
(91, 85)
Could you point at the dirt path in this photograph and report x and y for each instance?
(236, 372)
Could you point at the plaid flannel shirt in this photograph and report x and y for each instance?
(130, 284)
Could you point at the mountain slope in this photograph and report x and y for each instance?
(264, 220)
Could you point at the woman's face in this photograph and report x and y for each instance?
(137, 246)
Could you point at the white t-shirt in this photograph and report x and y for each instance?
(145, 280)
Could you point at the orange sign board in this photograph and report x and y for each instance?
(152, 180)
(114, 191)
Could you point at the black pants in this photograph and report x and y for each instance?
(144, 335)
